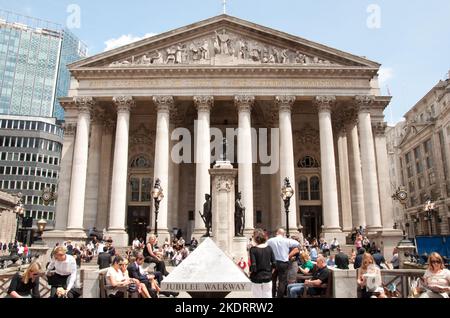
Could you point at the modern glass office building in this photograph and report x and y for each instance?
(33, 65)
(34, 55)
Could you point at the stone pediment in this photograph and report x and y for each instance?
(412, 129)
(223, 41)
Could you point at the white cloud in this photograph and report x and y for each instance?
(384, 75)
(124, 40)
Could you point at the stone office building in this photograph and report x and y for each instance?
(419, 161)
(222, 73)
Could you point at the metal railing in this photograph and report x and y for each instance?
(401, 279)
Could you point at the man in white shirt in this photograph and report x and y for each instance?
(63, 273)
(334, 244)
(282, 248)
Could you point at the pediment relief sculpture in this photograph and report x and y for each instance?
(222, 48)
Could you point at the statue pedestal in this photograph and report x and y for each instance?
(223, 202)
(239, 250)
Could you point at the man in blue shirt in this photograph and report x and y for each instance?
(281, 246)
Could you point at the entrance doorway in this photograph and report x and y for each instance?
(311, 219)
(138, 219)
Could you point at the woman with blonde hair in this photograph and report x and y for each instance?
(436, 280)
(26, 285)
(62, 273)
(369, 278)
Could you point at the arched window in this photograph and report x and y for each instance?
(303, 188)
(315, 188)
(140, 162)
(308, 162)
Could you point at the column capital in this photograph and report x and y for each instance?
(285, 102)
(164, 103)
(364, 102)
(204, 103)
(124, 103)
(324, 103)
(379, 128)
(244, 103)
(84, 104)
(70, 129)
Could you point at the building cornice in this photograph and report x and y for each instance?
(276, 70)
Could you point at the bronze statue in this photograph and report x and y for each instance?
(207, 214)
(239, 216)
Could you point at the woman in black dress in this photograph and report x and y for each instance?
(262, 261)
(26, 285)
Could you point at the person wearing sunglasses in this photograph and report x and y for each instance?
(436, 280)
(27, 284)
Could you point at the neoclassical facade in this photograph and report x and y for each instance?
(222, 73)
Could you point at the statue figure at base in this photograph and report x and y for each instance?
(239, 216)
(207, 214)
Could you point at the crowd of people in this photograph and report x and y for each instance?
(278, 267)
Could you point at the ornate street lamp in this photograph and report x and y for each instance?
(157, 194)
(19, 210)
(41, 224)
(286, 194)
(429, 209)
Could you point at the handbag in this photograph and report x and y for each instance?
(132, 288)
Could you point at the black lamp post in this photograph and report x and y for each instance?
(157, 194)
(286, 194)
(19, 210)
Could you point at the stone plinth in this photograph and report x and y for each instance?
(239, 250)
(344, 283)
(207, 272)
(386, 241)
(223, 204)
(405, 248)
(90, 284)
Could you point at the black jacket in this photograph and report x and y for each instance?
(341, 260)
(104, 260)
(133, 272)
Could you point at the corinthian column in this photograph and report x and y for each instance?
(161, 170)
(324, 105)
(105, 174)
(245, 175)
(79, 167)
(118, 203)
(358, 211)
(287, 168)
(62, 204)
(369, 167)
(203, 157)
(346, 200)
(93, 171)
(387, 209)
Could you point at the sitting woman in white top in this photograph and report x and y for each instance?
(436, 280)
(116, 282)
(62, 273)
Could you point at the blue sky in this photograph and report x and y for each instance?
(411, 39)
